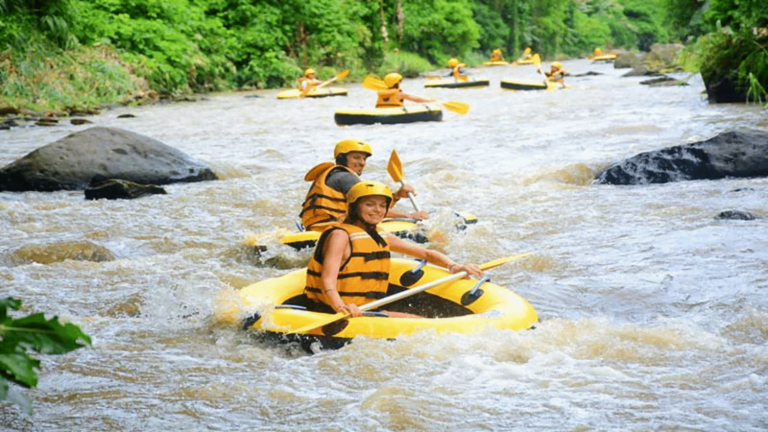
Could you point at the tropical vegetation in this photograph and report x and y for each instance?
(80, 53)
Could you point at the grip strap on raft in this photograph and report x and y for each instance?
(470, 296)
(412, 276)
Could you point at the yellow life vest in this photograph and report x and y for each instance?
(457, 73)
(388, 98)
(310, 83)
(323, 204)
(363, 277)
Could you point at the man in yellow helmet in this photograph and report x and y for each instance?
(496, 55)
(308, 81)
(457, 70)
(350, 266)
(556, 73)
(393, 96)
(326, 200)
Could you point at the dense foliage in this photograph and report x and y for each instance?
(179, 46)
(30, 333)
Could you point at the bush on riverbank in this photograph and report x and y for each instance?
(85, 78)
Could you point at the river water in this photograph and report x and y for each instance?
(653, 313)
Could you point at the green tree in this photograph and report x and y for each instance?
(30, 333)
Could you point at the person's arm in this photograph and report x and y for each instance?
(334, 249)
(342, 180)
(406, 96)
(398, 245)
(400, 194)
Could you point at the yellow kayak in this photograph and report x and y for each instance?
(401, 227)
(313, 93)
(406, 114)
(529, 61)
(495, 63)
(277, 307)
(510, 84)
(454, 83)
(604, 58)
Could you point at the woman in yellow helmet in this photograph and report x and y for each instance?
(394, 96)
(457, 70)
(308, 81)
(325, 202)
(496, 55)
(350, 265)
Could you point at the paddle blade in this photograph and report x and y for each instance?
(372, 83)
(500, 261)
(343, 74)
(457, 107)
(395, 167)
(536, 59)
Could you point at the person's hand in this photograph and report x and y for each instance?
(471, 269)
(419, 215)
(403, 192)
(349, 308)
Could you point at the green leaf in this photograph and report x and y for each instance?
(19, 368)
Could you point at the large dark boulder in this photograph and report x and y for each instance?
(732, 154)
(71, 162)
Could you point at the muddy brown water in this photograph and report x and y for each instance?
(653, 313)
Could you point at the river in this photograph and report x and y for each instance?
(653, 312)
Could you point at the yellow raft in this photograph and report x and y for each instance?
(495, 63)
(464, 306)
(406, 114)
(604, 58)
(454, 83)
(313, 93)
(509, 84)
(402, 227)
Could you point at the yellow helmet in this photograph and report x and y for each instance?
(350, 145)
(527, 50)
(453, 62)
(497, 51)
(309, 71)
(368, 188)
(392, 79)
(556, 65)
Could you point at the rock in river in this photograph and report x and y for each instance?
(104, 152)
(742, 153)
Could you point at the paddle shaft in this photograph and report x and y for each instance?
(410, 197)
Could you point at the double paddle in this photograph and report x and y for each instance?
(340, 75)
(408, 293)
(372, 83)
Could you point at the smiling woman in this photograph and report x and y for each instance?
(350, 266)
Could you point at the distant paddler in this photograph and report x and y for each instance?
(457, 70)
(393, 95)
(556, 73)
(527, 55)
(496, 55)
(326, 202)
(308, 81)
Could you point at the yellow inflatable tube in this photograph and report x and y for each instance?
(455, 307)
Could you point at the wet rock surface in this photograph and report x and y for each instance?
(741, 153)
(104, 153)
